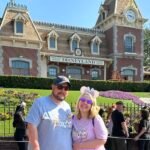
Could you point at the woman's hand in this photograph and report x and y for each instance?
(136, 138)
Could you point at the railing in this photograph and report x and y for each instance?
(7, 112)
(8, 143)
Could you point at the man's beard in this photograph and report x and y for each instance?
(58, 97)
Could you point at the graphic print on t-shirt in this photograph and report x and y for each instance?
(57, 120)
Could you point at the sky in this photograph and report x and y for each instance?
(80, 13)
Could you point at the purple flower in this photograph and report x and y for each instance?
(121, 95)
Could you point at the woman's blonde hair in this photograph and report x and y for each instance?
(92, 95)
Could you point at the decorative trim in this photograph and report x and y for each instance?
(142, 70)
(75, 36)
(133, 41)
(131, 35)
(55, 36)
(129, 67)
(14, 6)
(21, 59)
(15, 28)
(96, 40)
(39, 63)
(19, 42)
(19, 16)
(72, 28)
(115, 42)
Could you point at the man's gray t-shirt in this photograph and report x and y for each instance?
(53, 123)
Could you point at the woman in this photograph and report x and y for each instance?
(144, 131)
(20, 125)
(89, 131)
(109, 122)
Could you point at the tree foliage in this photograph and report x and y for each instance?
(147, 47)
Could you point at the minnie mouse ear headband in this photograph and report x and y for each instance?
(94, 93)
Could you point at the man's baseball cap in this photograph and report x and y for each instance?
(61, 80)
(119, 103)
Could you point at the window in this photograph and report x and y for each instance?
(52, 72)
(20, 67)
(74, 42)
(128, 73)
(19, 27)
(74, 73)
(95, 47)
(103, 15)
(52, 40)
(95, 74)
(129, 41)
(19, 22)
(95, 44)
(129, 44)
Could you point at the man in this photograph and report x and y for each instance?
(119, 128)
(49, 119)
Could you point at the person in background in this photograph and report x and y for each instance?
(109, 122)
(50, 119)
(144, 131)
(102, 112)
(119, 129)
(89, 131)
(128, 123)
(109, 125)
(20, 125)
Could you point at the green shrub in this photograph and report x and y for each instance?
(45, 83)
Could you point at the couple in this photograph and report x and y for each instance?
(52, 126)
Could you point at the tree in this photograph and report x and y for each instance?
(147, 47)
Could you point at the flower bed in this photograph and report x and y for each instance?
(122, 95)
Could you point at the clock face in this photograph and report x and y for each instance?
(130, 15)
(78, 52)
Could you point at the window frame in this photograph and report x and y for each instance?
(20, 69)
(76, 37)
(96, 70)
(15, 27)
(55, 70)
(98, 41)
(55, 36)
(52, 67)
(132, 45)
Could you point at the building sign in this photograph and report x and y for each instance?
(74, 60)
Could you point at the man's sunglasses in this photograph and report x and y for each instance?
(89, 101)
(61, 87)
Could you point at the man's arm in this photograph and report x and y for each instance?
(33, 136)
(125, 129)
(141, 133)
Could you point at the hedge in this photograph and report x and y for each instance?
(45, 83)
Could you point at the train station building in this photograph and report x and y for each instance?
(114, 44)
